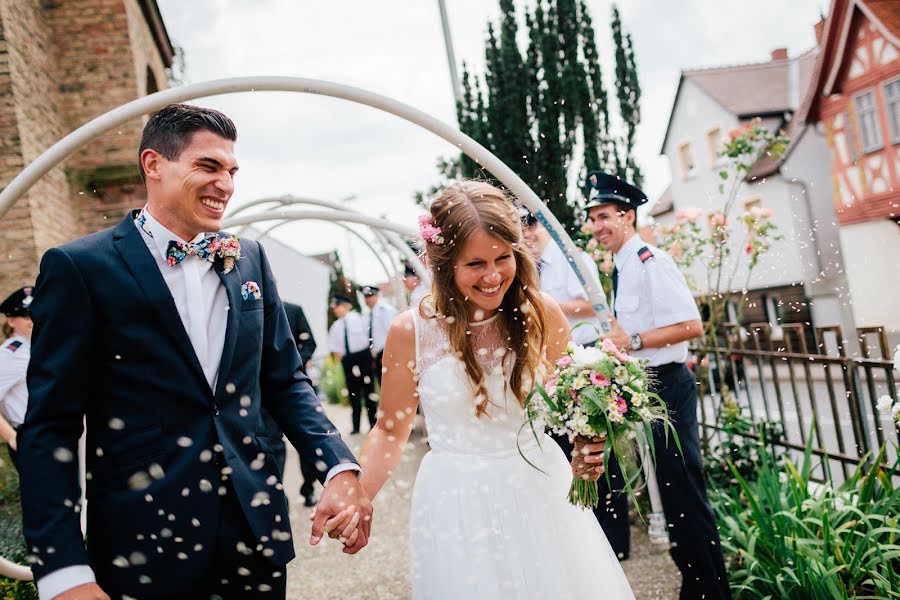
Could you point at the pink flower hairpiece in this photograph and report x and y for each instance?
(429, 232)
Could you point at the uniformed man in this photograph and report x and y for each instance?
(414, 285)
(380, 317)
(15, 352)
(655, 316)
(559, 281)
(348, 341)
(306, 347)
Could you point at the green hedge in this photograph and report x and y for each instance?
(12, 544)
(786, 538)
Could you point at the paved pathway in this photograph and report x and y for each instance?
(380, 571)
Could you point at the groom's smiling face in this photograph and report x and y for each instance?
(189, 194)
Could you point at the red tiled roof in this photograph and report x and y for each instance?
(886, 11)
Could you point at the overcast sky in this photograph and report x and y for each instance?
(325, 148)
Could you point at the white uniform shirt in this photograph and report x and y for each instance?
(14, 355)
(357, 334)
(559, 281)
(652, 293)
(379, 322)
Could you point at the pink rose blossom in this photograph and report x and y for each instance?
(621, 405)
(600, 379)
(564, 362)
(609, 346)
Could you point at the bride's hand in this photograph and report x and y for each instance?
(343, 526)
(587, 458)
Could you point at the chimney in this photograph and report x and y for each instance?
(820, 30)
(779, 54)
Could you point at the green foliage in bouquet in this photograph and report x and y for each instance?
(785, 537)
(601, 392)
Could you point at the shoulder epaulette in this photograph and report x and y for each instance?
(645, 254)
(13, 345)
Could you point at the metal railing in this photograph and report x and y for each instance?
(823, 393)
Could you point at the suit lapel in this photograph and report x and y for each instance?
(140, 262)
(232, 283)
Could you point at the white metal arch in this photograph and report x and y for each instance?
(72, 142)
(61, 150)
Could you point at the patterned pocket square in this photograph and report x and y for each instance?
(250, 291)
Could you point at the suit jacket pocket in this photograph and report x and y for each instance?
(251, 304)
(125, 455)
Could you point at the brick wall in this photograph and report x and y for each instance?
(63, 63)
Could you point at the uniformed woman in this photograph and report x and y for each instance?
(15, 351)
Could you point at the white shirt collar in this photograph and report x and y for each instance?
(628, 248)
(158, 233)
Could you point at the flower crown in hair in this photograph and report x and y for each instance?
(429, 232)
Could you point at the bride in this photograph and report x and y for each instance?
(484, 523)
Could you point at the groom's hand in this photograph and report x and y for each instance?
(85, 591)
(343, 492)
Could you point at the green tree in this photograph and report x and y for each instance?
(628, 92)
(545, 112)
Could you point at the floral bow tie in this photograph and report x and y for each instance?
(205, 249)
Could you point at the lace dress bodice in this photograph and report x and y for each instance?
(447, 395)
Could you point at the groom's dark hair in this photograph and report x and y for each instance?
(169, 130)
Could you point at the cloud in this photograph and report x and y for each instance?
(291, 143)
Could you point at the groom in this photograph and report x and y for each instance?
(168, 350)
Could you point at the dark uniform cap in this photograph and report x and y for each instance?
(370, 290)
(601, 188)
(340, 299)
(16, 305)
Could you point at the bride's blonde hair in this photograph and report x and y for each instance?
(462, 209)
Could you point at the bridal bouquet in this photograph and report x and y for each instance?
(600, 392)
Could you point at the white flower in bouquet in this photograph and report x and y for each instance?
(586, 357)
(884, 404)
(581, 381)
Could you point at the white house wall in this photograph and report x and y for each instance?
(873, 272)
(695, 114)
(828, 290)
(301, 280)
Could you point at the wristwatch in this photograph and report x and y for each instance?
(636, 342)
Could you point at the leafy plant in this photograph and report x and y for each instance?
(785, 537)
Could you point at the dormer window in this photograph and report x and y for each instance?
(714, 145)
(686, 160)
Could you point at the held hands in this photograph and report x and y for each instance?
(587, 458)
(344, 513)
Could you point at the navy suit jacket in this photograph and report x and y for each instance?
(109, 347)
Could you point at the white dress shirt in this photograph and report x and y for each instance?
(202, 303)
(652, 293)
(14, 355)
(379, 322)
(357, 334)
(559, 281)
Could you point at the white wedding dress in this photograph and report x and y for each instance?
(484, 523)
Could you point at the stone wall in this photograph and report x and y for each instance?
(63, 63)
